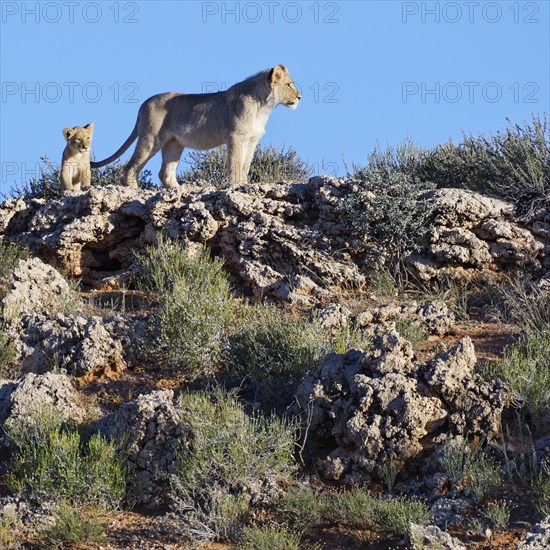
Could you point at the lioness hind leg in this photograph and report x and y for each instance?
(145, 149)
(171, 154)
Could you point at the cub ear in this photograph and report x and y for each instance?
(90, 128)
(68, 133)
(277, 73)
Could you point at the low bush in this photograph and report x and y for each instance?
(396, 515)
(50, 460)
(73, 527)
(389, 211)
(269, 538)
(228, 453)
(269, 164)
(196, 309)
(270, 355)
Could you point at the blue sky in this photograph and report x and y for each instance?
(370, 71)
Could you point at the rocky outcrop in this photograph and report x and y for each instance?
(79, 345)
(36, 288)
(472, 234)
(383, 407)
(538, 538)
(31, 393)
(285, 241)
(148, 429)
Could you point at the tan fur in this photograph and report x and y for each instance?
(237, 117)
(75, 166)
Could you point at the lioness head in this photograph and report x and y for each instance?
(79, 139)
(283, 88)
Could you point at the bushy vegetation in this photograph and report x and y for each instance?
(228, 453)
(467, 465)
(7, 353)
(270, 355)
(269, 164)
(50, 460)
(73, 527)
(10, 254)
(196, 307)
(513, 164)
(524, 368)
(269, 538)
(389, 211)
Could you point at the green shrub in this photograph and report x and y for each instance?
(300, 508)
(7, 353)
(271, 354)
(269, 538)
(10, 254)
(196, 309)
(512, 164)
(51, 461)
(485, 477)
(356, 507)
(498, 514)
(526, 306)
(540, 483)
(396, 515)
(388, 212)
(269, 164)
(73, 527)
(227, 453)
(456, 459)
(524, 369)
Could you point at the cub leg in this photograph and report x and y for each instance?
(86, 177)
(171, 154)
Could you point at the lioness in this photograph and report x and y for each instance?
(237, 117)
(75, 164)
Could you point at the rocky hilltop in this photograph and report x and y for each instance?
(388, 403)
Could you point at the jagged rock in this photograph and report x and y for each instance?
(36, 288)
(149, 428)
(80, 345)
(380, 407)
(332, 317)
(430, 537)
(538, 538)
(433, 317)
(284, 241)
(20, 398)
(473, 234)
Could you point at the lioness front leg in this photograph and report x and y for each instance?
(236, 158)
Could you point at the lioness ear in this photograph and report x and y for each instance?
(89, 127)
(277, 73)
(68, 133)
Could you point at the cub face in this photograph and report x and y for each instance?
(283, 88)
(79, 139)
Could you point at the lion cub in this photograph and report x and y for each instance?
(75, 166)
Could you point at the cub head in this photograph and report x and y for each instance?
(283, 89)
(79, 139)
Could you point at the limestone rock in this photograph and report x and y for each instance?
(20, 398)
(77, 344)
(380, 407)
(148, 428)
(36, 288)
(538, 538)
